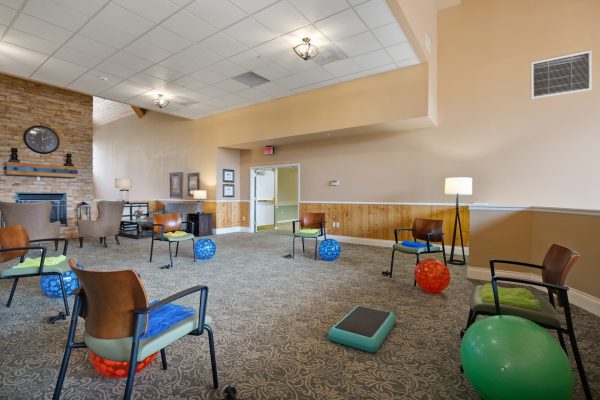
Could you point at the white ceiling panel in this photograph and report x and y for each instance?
(146, 79)
(6, 15)
(78, 57)
(87, 7)
(227, 68)
(154, 10)
(55, 14)
(401, 52)
(223, 45)
(22, 39)
(56, 70)
(180, 64)
(375, 13)
(166, 40)
(42, 29)
(255, 94)
(124, 20)
(249, 32)
(115, 69)
(19, 61)
(342, 67)
(409, 62)
(356, 2)
(316, 10)
(359, 44)
(90, 46)
(231, 85)
(200, 55)
(212, 91)
(189, 82)
(94, 82)
(164, 73)
(125, 90)
(389, 35)
(130, 61)
(219, 14)
(106, 111)
(14, 4)
(342, 25)
(272, 71)
(189, 26)
(273, 89)
(208, 76)
(147, 51)
(250, 60)
(252, 6)
(2, 30)
(373, 59)
(106, 34)
(281, 18)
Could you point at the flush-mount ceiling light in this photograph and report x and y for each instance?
(160, 101)
(305, 50)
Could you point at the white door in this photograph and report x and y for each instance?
(264, 200)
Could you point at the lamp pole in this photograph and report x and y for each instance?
(458, 225)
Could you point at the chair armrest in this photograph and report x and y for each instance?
(561, 290)
(400, 230)
(162, 229)
(294, 225)
(41, 248)
(190, 224)
(65, 240)
(434, 234)
(520, 263)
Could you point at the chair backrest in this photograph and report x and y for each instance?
(33, 215)
(312, 220)
(557, 263)
(110, 213)
(171, 222)
(109, 301)
(422, 226)
(10, 238)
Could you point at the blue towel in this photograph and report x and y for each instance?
(408, 243)
(165, 317)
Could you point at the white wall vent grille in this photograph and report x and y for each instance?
(561, 75)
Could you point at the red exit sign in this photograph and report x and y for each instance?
(269, 150)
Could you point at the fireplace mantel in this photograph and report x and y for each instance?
(49, 170)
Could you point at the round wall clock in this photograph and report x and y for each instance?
(41, 139)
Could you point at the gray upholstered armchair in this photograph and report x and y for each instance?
(34, 216)
(107, 224)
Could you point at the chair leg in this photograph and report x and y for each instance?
(470, 320)
(415, 279)
(561, 340)
(213, 359)
(117, 240)
(104, 239)
(100, 240)
(68, 348)
(56, 245)
(176, 249)
(444, 253)
(294, 247)
(193, 250)
(170, 256)
(80, 241)
(391, 264)
(64, 293)
(316, 241)
(151, 247)
(163, 358)
(303, 245)
(584, 381)
(12, 292)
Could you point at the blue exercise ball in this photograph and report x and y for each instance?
(509, 357)
(50, 284)
(329, 249)
(205, 249)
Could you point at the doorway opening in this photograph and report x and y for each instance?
(275, 197)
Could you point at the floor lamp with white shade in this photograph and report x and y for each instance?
(456, 186)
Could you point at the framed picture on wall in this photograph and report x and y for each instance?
(193, 182)
(228, 190)
(176, 184)
(228, 175)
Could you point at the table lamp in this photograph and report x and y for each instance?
(123, 184)
(456, 186)
(199, 195)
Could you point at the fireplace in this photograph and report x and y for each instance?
(59, 204)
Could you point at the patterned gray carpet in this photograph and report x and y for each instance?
(271, 317)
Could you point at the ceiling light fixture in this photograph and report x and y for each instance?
(305, 50)
(160, 101)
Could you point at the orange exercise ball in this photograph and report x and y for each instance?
(117, 369)
(432, 276)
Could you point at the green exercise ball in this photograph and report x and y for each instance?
(508, 357)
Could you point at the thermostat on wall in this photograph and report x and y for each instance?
(334, 183)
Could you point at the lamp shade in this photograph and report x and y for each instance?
(123, 183)
(459, 185)
(199, 194)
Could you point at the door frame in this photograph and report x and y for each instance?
(252, 227)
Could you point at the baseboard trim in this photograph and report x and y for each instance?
(577, 297)
(233, 229)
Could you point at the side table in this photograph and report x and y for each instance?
(202, 223)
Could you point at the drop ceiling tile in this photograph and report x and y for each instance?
(275, 90)
(389, 35)
(374, 59)
(208, 76)
(233, 99)
(147, 51)
(90, 46)
(281, 18)
(400, 52)
(341, 26)
(316, 10)
(154, 10)
(91, 83)
(250, 32)
(223, 45)
(295, 64)
(87, 7)
(122, 19)
(14, 4)
(409, 62)
(189, 83)
(291, 82)
(78, 57)
(164, 73)
(317, 85)
(310, 31)
(359, 44)
(124, 90)
(256, 95)
(106, 34)
(166, 40)
(55, 14)
(212, 91)
(356, 2)
(30, 42)
(375, 13)
(180, 64)
(42, 29)
(250, 60)
(274, 49)
(57, 71)
(272, 71)
(198, 108)
(369, 72)
(130, 61)
(2, 30)
(231, 85)
(115, 69)
(146, 79)
(252, 6)
(219, 14)
(227, 68)
(189, 26)
(200, 55)
(216, 103)
(342, 67)
(6, 15)
(315, 75)
(181, 3)
(19, 61)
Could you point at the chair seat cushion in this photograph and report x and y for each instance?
(546, 315)
(416, 250)
(180, 237)
(409, 243)
(519, 297)
(120, 349)
(164, 317)
(19, 270)
(308, 233)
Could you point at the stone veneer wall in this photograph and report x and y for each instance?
(24, 104)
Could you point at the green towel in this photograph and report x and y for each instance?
(35, 262)
(309, 231)
(519, 297)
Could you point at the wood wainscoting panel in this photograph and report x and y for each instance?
(377, 221)
(210, 207)
(244, 214)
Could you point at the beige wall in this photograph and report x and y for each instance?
(287, 185)
(228, 159)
